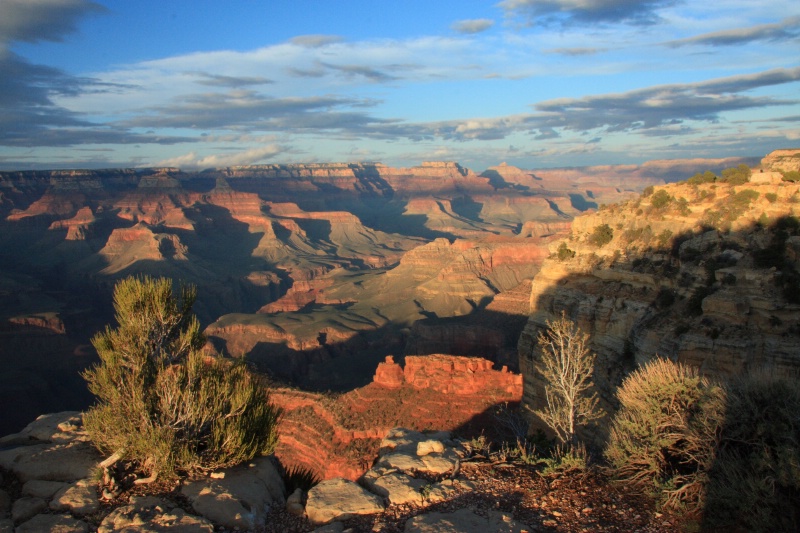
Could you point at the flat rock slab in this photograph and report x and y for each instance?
(26, 508)
(464, 521)
(407, 440)
(152, 515)
(398, 488)
(240, 496)
(53, 427)
(340, 499)
(53, 523)
(69, 461)
(79, 498)
(433, 463)
(42, 489)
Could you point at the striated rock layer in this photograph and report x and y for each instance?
(339, 436)
(704, 273)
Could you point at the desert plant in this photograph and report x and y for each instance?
(660, 199)
(601, 235)
(567, 365)
(736, 176)
(664, 435)
(564, 252)
(299, 477)
(754, 482)
(566, 459)
(160, 401)
(700, 178)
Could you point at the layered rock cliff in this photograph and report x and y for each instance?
(339, 436)
(702, 273)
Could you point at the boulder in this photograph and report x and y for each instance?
(294, 503)
(429, 446)
(241, 498)
(26, 508)
(79, 498)
(340, 499)
(150, 514)
(53, 523)
(68, 461)
(52, 427)
(397, 488)
(42, 489)
(464, 521)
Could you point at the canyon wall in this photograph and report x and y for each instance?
(339, 435)
(701, 273)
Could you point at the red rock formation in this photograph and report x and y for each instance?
(340, 436)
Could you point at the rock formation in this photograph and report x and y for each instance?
(338, 437)
(702, 273)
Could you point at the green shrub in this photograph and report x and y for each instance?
(663, 436)
(700, 178)
(771, 197)
(660, 199)
(564, 252)
(601, 235)
(736, 176)
(791, 175)
(754, 483)
(160, 401)
(648, 191)
(727, 451)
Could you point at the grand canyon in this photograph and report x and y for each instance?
(375, 298)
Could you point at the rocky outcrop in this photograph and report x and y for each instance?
(704, 274)
(782, 160)
(339, 437)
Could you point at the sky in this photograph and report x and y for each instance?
(534, 83)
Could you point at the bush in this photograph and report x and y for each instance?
(771, 197)
(729, 451)
(791, 175)
(161, 402)
(754, 482)
(700, 178)
(736, 176)
(660, 199)
(564, 252)
(663, 436)
(601, 235)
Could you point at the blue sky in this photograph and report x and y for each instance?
(534, 83)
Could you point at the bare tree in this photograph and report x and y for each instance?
(567, 366)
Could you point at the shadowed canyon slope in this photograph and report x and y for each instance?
(705, 273)
(314, 272)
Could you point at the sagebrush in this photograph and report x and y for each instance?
(726, 451)
(160, 400)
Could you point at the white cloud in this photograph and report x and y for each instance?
(248, 157)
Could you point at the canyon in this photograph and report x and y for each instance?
(313, 273)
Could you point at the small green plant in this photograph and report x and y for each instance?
(700, 178)
(602, 235)
(160, 401)
(663, 437)
(648, 191)
(564, 253)
(566, 459)
(660, 199)
(771, 197)
(299, 477)
(791, 175)
(736, 176)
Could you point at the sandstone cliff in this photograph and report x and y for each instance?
(702, 273)
(339, 436)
